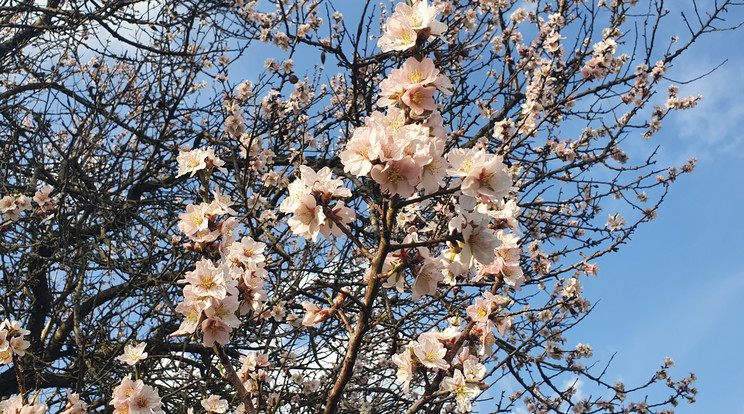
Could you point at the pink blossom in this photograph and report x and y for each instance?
(358, 155)
(215, 331)
(464, 392)
(125, 388)
(14, 405)
(484, 332)
(398, 177)
(398, 36)
(191, 162)
(420, 99)
(433, 174)
(74, 404)
(194, 219)
(430, 351)
(473, 370)
(133, 354)
(224, 310)
(480, 310)
(144, 400)
(503, 324)
(192, 311)
(343, 215)
(428, 277)
(248, 253)
(479, 243)
(415, 72)
(7, 203)
(43, 199)
(314, 314)
(207, 280)
(420, 16)
(487, 180)
(307, 218)
(214, 404)
(404, 375)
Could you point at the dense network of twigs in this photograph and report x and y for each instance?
(99, 98)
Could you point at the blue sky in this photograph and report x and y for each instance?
(676, 290)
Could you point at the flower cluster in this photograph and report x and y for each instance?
(429, 352)
(192, 161)
(235, 121)
(11, 207)
(210, 301)
(414, 85)
(506, 263)
(428, 269)
(214, 293)
(253, 370)
(134, 397)
(12, 341)
(409, 23)
(14, 405)
(603, 60)
(404, 152)
(309, 201)
(199, 222)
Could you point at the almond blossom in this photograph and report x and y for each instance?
(404, 375)
(193, 161)
(133, 354)
(314, 314)
(206, 280)
(428, 277)
(214, 404)
(12, 341)
(134, 397)
(398, 177)
(215, 332)
(307, 197)
(464, 391)
(74, 404)
(430, 351)
(404, 26)
(308, 217)
(14, 405)
(484, 176)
